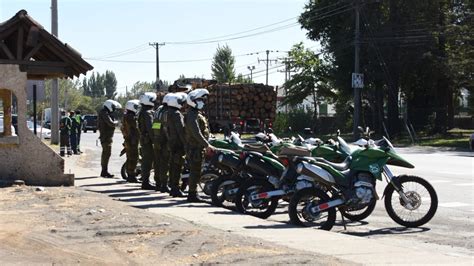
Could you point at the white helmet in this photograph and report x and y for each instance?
(148, 98)
(194, 96)
(166, 98)
(111, 105)
(177, 99)
(132, 105)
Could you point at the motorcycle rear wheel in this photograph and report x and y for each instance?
(265, 208)
(207, 180)
(308, 197)
(417, 199)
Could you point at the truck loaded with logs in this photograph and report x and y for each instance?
(250, 107)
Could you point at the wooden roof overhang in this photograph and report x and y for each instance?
(24, 42)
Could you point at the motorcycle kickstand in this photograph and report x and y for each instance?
(343, 220)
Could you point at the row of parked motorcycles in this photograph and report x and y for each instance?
(316, 178)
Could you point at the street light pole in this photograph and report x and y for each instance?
(251, 72)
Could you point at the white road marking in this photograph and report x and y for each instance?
(439, 181)
(453, 204)
(464, 184)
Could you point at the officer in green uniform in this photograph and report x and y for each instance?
(160, 140)
(73, 133)
(176, 140)
(145, 125)
(64, 130)
(131, 136)
(80, 121)
(106, 125)
(197, 134)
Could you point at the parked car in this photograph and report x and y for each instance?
(45, 133)
(90, 123)
(1, 127)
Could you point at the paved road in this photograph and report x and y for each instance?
(451, 174)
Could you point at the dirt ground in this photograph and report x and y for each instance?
(72, 226)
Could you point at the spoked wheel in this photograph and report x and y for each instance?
(420, 205)
(124, 174)
(206, 181)
(359, 214)
(224, 189)
(300, 209)
(261, 208)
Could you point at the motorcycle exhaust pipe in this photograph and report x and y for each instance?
(316, 172)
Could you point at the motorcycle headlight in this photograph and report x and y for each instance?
(299, 168)
(220, 158)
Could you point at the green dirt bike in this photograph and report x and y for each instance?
(350, 187)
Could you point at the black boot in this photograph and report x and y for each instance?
(165, 189)
(147, 186)
(106, 173)
(176, 193)
(132, 179)
(193, 197)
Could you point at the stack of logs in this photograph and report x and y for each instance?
(242, 100)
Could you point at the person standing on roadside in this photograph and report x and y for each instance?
(160, 140)
(74, 132)
(145, 126)
(131, 138)
(65, 125)
(106, 125)
(176, 140)
(197, 134)
(80, 121)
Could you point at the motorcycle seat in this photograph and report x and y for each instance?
(338, 166)
(294, 151)
(257, 148)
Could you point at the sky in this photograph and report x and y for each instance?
(108, 33)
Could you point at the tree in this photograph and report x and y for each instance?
(110, 84)
(223, 65)
(406, 48)
(310, 80)
(243, 79)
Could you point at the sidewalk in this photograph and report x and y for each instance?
(344, 247)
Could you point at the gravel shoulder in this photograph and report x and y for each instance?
(73, 226)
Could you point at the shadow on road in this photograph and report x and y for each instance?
(272, 226)
(86, 177)
(390, 231)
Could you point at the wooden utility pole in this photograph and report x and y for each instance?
(55, 83)
(157, 47)
(266, 62)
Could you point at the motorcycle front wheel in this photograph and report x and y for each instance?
(261, 208)
(224, 189)
(300, 209)
(422, 201)
(207, 180)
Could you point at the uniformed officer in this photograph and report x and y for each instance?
(160, 145)
(74, 131)
(197, 134)
(131, 138)
(80, 121)
(106, 125)
(65, 130)
(176, 140)
(145, 124)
